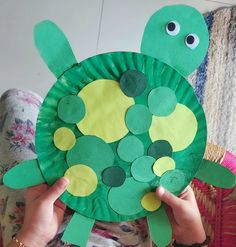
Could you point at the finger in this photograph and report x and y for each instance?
(56, 190)
(34, 192)
(170, 199)
(59, 204)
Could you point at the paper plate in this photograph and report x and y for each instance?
(138, 124)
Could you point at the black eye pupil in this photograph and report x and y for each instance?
(171, 26)
(190, 39)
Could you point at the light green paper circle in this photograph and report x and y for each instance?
(71, 109)
(126, 199)
(162, 101)
(130, 148)
(138, 119)
(141, 169)
(91, 151)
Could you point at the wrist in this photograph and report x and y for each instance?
(30, 239)
(191, 237)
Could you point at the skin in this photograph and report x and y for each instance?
(44, 214)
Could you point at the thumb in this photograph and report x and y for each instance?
(167, 197)
(56, 190)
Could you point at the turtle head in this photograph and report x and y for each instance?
(178, 36)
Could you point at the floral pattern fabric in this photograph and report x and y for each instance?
(18, 115)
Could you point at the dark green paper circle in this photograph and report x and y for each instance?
(113, 176)
(138, 119)
(71, 109)
(159, 149)
(133, 83)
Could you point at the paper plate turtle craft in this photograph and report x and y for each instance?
(119, 124)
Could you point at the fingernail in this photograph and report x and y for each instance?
(160, 191)
(64, 181)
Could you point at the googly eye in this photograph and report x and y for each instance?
(172, 28)
(192, 41)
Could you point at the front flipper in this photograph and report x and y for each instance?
(23, 175)
(78, 230)
(215, 174)
(53, 47)
(160, 227)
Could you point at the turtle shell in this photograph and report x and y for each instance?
(119, 144)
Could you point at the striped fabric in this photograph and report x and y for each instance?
(215, 79)
(215, 85)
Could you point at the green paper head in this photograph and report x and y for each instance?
(178, 36)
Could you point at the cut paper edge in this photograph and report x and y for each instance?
(53, 47)
(160, 227)
(23, 175)
(78, 230)
(215, 174)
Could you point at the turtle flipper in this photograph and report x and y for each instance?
(160, 227)
(78, 230)
(23, 175)
(215, 174)
(53, 47)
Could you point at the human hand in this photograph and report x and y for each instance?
(184, 216)
(43, 214)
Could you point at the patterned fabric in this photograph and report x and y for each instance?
(18, 114)
(215, 85)
(215, 79)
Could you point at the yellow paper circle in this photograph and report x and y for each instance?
(64, 138)
(162, 165)
(179, 128)
(150, 202)
(106, 106)
(83, 180)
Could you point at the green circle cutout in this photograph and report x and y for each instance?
(113, 176)
(91, 151)
(133, 83)
(138, 119)
(141, 169)
(159, 149)
(130, 148)
(71, 109)
(126, 199)
(162, 101)
(173, 181)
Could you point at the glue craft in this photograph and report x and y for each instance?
(119, 124)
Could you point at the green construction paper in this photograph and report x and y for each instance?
(156, 42)
(71, 109)
(160, 227)
(113, 176)
(133, 83)
(173, 181)
(162, 101)
(53, 47)
(126, 199)
(138, 119)
(159, 149)
(130, 148)
(23, 175)
(141, 169)
(91, 151)
(215, 174)
(111, 66)
(78, 230)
